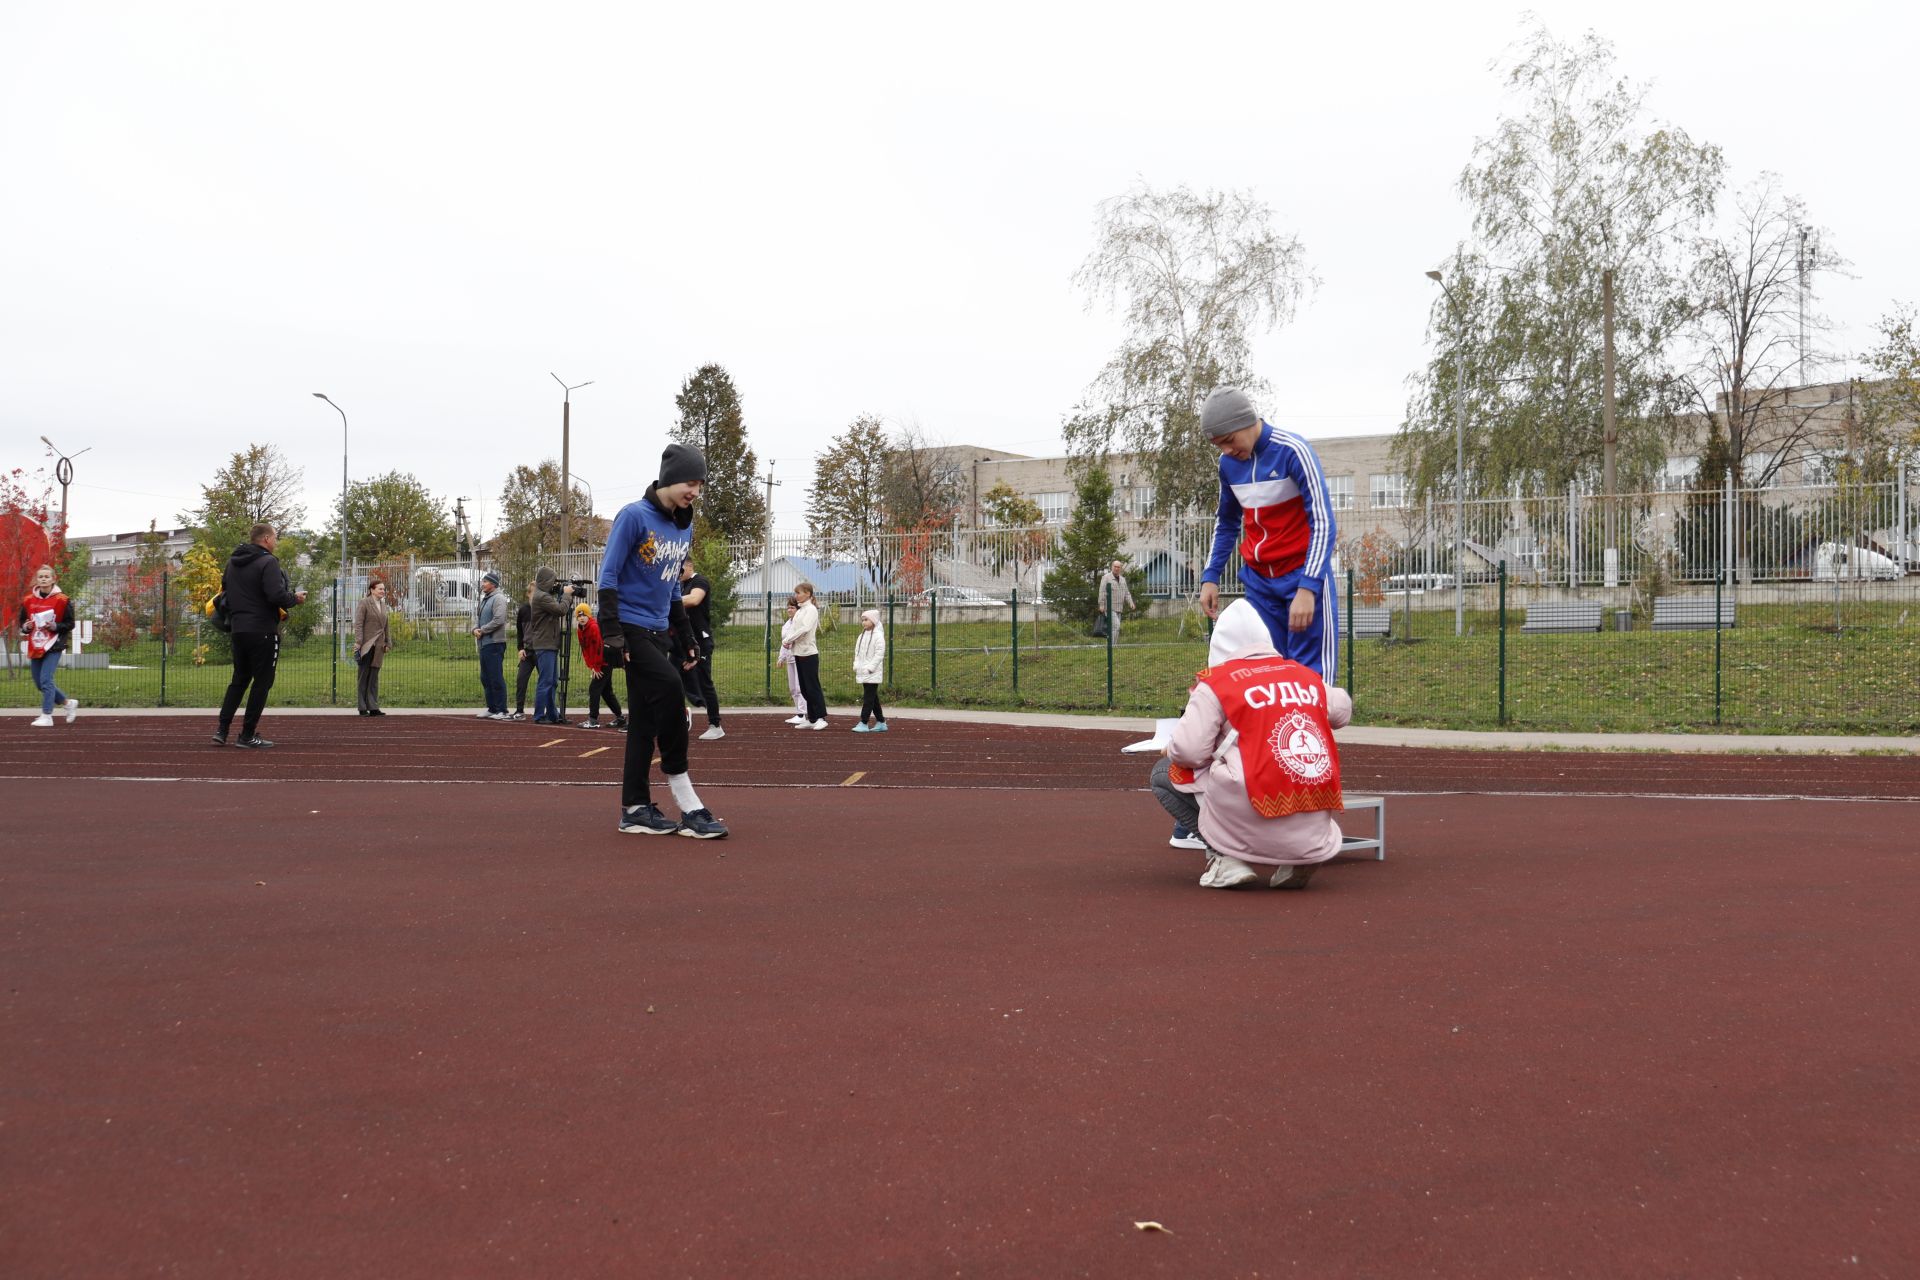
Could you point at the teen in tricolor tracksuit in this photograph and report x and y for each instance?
(1273, 499)
(643, 622)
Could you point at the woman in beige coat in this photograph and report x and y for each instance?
(370, 645)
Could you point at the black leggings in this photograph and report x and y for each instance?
(527, 667)
(808, 669)
(870, 704)
(601, 688)
(657, 713)
(703, 679)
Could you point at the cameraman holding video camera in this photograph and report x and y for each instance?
(542, 640)
(643, 621)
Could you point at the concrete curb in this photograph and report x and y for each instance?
(1362, 735)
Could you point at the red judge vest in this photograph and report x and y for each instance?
(1279, 709)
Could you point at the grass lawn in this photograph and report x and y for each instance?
(1782, 670)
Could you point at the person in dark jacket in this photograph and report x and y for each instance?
(696, 593)
(522, 621)
(257, 592)
(542, 640)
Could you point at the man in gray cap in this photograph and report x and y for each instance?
(490, 633)
(1273, 500)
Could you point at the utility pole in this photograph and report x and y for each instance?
(566, 460)
(766, 579)
(1459, 462)
(63, 472)
(1610, 436)
(465, 534)
(1809, 249)
(340, 580)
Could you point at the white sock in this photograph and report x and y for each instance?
(683, 793)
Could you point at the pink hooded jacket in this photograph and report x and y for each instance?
(1202, 742)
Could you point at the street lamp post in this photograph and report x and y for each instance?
(63, 472)
(340, 580)
(1459, 466)
(566, 460)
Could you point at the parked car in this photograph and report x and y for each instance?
(1416, 583)
(1838, 560)
(959, 597)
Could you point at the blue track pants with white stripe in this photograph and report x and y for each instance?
(1318, 646)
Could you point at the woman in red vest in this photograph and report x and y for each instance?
(1256, 747)
(46, 620)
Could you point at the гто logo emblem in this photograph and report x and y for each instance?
(1299, 749)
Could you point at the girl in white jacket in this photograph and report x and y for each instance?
(869, 661)
(806, 656)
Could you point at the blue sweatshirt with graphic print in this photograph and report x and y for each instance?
(642, 564)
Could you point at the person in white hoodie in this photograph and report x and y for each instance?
(869, 663)
(806, 656)
(1252, 763)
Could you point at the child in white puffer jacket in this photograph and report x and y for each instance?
(869, 664)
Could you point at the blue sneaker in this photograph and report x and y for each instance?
(880, 727)
(646, 820)
(861, 728)
(702, 825)
(1185, 838)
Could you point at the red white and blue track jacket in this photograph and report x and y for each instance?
(1276, 504)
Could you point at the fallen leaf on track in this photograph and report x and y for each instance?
(1152, 1226)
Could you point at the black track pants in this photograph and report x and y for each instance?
(656, 712)
(255, 659)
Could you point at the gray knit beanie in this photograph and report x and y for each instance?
(1226, 411)
(682, 463)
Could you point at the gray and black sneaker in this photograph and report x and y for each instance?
(702, 825)
(252, 740)
(646, 820)
(219, 739)
(1293, 876)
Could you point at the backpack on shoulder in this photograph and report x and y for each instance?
(218, 611)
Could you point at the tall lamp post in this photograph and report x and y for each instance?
(566, 460)
(1459, 466)
(340, 580)
(63, 472)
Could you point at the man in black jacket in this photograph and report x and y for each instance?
(257, 590)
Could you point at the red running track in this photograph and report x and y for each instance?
(761, 751)
(307, 1028)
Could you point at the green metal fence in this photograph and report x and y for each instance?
(1815, 656)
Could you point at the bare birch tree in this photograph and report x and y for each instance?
(1745, 332)
(1196, 276)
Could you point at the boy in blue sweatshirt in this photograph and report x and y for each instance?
(644, 626)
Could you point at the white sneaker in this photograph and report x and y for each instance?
(44, 722)
(483, 715)
(818, 724)
(1228, 872)
(796, 721)
(73, 709)
(713, 734)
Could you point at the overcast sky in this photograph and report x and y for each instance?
(208, 212)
